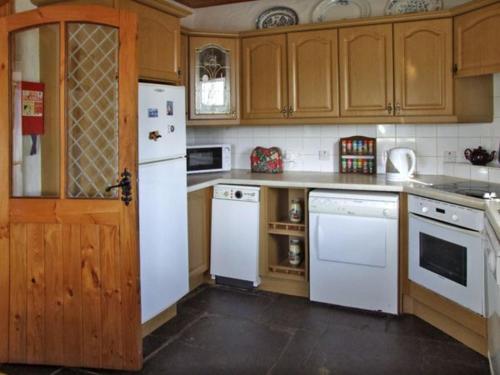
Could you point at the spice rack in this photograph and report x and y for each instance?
(358, 155)
(280, 230)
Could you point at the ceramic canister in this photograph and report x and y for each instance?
(295, 252)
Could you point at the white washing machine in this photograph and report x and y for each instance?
(235, 233)
(354, 249)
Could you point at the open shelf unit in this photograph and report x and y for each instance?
(278, 231)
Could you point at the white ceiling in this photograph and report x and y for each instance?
(242, 16)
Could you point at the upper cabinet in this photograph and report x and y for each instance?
(159, 43)
(477, 36)
(313, 74)
(366, 71)
(264, 77)
(213, 78)
(423, 68)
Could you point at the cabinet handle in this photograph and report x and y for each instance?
(398, 108)
(233, 112)
(290, 111)
(284, 111)
(179, 73)
(389, 108)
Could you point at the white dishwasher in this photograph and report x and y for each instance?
(354, 249)
(235, 233)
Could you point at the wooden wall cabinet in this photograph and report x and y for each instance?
(184, 76)
(477, 47)
(423, 68)
(265, 97)
(159, 43)
(199, 222)
(214, 60)
(313, 74)
(366, 71)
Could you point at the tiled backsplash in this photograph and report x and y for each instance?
(303, 144)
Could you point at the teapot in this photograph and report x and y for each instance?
(479, 156)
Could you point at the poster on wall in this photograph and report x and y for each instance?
(32, 111)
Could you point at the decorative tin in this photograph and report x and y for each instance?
(277, 17)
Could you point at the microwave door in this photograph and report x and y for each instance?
(204, 159)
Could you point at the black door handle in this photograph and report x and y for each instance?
(125, 185)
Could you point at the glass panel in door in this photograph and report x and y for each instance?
(92, 110)
(212, 81)
(35, 111)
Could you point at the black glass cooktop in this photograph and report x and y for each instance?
(476, 189)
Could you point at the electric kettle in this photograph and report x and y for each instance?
(400, 164)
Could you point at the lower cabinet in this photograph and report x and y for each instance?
(199, 219)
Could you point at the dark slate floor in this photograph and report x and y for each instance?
(219, 330)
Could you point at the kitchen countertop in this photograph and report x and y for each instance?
(322, 180)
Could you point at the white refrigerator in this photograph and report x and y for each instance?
(162, 197)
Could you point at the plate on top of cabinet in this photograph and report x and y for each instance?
(329, 10)
(395, 7)
(276, 17)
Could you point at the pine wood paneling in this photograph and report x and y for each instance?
(35, 309)
(72, 285)
(18, 294)
(109, 241)
(423, 55)
(91, 295)
(54, 300)
(366, 71)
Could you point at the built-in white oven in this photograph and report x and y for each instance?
(208, 158)
(446, 252)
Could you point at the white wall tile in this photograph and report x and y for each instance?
(312, 131)
(277, 131)
(461, 170)
(311, 146)
(245, 132)
(384, 145)
(494, 173)
(386, 131)
(426, 147)
(367, 130)
(473, 130)
(261, 131)
(496, 84)
(446, 144)
(447, 130)
(425, 131)
(294, 145)
(426, 165)
(311, 163)
(347, 130)
(331, 144)
(329, 131)
(405, 131)
(294, 131)
(406, 142)
(479, 173)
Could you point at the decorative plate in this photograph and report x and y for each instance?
(276, 17)
(329, 10)
(394, 7)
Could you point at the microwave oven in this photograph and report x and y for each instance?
(208, 158)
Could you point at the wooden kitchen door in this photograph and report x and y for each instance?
(69, 262)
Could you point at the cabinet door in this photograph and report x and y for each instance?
(477, 46)
(199, 235)
(159, 43)
(423, 53)
(313, 74)
(213, 77)
(366, 71)
(264, 77)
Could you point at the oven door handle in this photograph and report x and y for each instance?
(446, 226)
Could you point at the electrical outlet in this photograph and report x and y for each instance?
(324, 155)
(450, 156)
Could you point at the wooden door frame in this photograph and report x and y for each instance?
(126, 23)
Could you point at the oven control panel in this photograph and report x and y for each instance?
(447, 212)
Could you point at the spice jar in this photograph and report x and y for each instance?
(294, 252)
(295, 213)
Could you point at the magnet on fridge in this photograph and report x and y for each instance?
(152, 112)
(170, 108)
